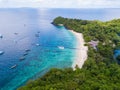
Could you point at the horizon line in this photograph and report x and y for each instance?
(63, 8)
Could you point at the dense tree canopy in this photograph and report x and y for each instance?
(100, 71)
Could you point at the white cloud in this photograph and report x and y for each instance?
(61, 3)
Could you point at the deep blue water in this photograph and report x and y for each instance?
(27, 22)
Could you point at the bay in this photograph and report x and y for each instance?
(31, 28)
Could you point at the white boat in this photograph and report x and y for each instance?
(60, 47)
(37, 44)
(14, 66)
(1, 52)
(22, 58)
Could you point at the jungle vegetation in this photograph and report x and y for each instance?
(100, 71)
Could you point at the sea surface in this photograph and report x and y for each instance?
(49, 46)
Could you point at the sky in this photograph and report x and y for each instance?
(61, 3)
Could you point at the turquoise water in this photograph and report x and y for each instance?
(27, 23)
(19, 28)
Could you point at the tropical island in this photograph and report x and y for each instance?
(101, 70)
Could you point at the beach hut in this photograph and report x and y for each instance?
(93, 44)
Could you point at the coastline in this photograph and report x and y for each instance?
(81, 51)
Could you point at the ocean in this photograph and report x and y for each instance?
(32, 45)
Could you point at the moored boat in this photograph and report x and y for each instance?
(22, 58)
(60, 47)
(1, 52)
(25, 54)
(14, 66)
(1, 36)
(27, 50)
(37, 44)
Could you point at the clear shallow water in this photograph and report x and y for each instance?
(27, 22)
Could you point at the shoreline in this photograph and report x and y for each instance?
(81, 51)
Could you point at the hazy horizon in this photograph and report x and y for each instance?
(60, 3)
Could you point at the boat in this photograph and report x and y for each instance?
(22, 58)
(27, 50)
(25, 54)
(14, 66)
(38, 32)
(37, 44)
(1, 52)
(60, 25)
(24, 25)
(60, 47)
(16, 33)
(37, 35)
(1, 36)
(15, 41)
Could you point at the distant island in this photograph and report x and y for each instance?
(101, 70)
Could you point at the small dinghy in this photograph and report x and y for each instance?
(14, 66)
(1, 52)
(60, 47)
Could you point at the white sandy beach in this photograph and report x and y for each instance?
(81, 51)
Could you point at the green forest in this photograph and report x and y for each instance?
(101, 70)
